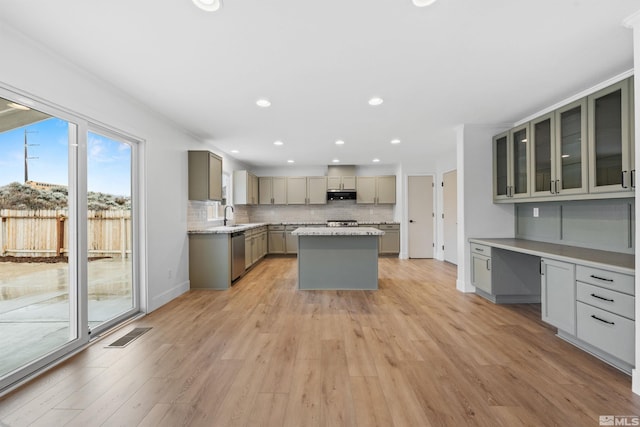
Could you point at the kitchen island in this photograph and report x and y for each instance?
(337, 258)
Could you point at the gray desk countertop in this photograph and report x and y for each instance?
(614, 261)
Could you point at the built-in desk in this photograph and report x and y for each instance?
(589, 295)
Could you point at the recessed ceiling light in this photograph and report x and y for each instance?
(423, 3)
(290, 161)
(208, 5)
(335, 161)
(395, 141)
(278, 143)
(339, 142)
(376, 160)
(375, 101)
(263, 102)
(235, 151)
(18, 106)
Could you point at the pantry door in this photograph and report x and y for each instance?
(421, 215)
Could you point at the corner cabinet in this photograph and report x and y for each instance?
(511, 167)
(245, 188)
(611, 164)
(205, 176)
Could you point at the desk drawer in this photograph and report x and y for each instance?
(606, 279)
(480, 249)
(606, 299)
(609, 332)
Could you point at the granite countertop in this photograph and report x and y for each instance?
(620, 262)
(337, 231)
(221, 229)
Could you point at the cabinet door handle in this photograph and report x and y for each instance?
(602, 320)
(633, 178)
(489, 265)
(551, 186)
(602, 278)
(624, 175)
(602, 298)
(557, 186)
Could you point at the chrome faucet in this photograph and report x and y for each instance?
(225, 214)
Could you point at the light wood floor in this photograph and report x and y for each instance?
(414, 353)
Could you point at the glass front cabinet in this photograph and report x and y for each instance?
(580, 150)
(511, 168)
(559, 151)
(611, 165)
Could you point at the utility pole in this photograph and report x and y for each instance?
(26, 155)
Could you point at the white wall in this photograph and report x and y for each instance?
(33, 71)
(478, 216)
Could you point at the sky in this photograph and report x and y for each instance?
(108, 161)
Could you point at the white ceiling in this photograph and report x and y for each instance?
(457, 61)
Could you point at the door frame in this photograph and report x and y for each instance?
(405, 215)
(441, 219)
(78, 287)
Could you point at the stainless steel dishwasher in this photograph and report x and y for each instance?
(237, 254)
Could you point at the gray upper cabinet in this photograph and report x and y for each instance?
(341, 183)
(610, 139)
(583, 150)
(559, 152)
(205, 176)
(571, 149)
(511, 166)
(376, 189)
(297, 190)
(317, 190)
(273, 190)
(245, 188)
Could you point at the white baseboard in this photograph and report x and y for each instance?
(403, 255)
(635, 381)
(173, 293)
(462, 286)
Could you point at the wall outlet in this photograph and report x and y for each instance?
(536, 212)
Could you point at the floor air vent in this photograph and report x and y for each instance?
(128, 338)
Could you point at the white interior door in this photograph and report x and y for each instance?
(450, 216)
(420, 190)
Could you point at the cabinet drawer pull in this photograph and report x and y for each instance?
(479, 250)
(601, 278)
(602, 320)
(602, 298)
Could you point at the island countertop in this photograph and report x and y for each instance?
(337, 231)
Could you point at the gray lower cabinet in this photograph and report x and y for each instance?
(291, 242)
(210, 261)
(481, 267)
(277, 244)
(606, 314)
(389, 242)
(558, 294)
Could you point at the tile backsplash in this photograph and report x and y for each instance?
(198, 213)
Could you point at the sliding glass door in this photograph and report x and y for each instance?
(110, 241)
(67, 234)
(38, 292)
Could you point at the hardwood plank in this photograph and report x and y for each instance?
(268, 410)
(415, 352)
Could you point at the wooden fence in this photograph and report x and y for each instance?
(44, 233)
